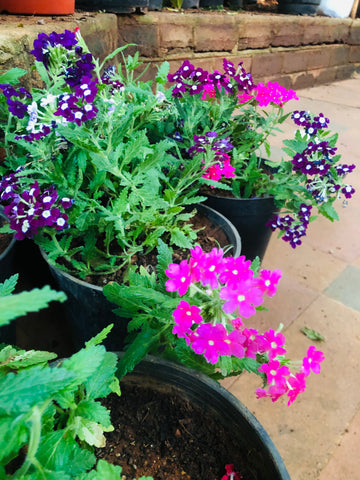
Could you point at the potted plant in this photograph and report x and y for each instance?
(230, 119)
(87, 174)
(56, 417)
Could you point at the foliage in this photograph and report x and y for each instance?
(50, 415)
(228, 120)
(205, 331)
(84, 175)
(15, 305)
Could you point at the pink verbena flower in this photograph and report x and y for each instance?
(185, 316)
(312, 361)
(208, 91)
(268, 281)
(231, 474)
(222, 168)
(179, 278)
(255, 342)
(274, 392)
(276, 342)
(297, 385)
(211, 266)
(276, 373)
(235, 270)
(236, 340)
(210, 340)
(242, 299)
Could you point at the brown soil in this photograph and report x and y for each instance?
(209, 236)
(166, 437)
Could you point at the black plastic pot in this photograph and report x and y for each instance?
(190, 4)
(7, 256)
(241, 426)
(249, 216)
(298, 7)
(212, 4)
(87, 309)
(111, 6)
(7, 332)
(155, 4)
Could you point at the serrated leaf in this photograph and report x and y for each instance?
(16, 305)
(12, 76)
(104, 471)
(12, 359)
(94, 411)
(13, 435)
(100, 337)
(8, 286)
(85, 362)
(61, 453)
(100, 384)
(18, 393)
(137, 350)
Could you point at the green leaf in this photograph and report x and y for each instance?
(104, 471)
(103, 381)
(14, 359)
(137, 350)
(100, 337)
(85, 362)
(12, 76)
(13, 435)
(18, 393)
(13, 306)
(312, 334)
(61, 453)
(94, 411)
(9, 285)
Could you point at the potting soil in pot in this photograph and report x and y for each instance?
(166, 437)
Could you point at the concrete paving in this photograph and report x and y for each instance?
(318, 436)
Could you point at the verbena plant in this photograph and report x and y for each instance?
(227, 118)
(51, 418)
(205, 329)
(84, 174)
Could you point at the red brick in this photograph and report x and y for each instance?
(268, 64)
(145, 37)
(354, 37)
(294, 61)
(317, 57)
(215, 38)
(339, 54)
(176, 36)
(303, 80)
(324, 75)
(286, 31)
(254, 32)
(354, 54)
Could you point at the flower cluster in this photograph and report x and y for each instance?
(322, 179)
(90, 133)
(30, 208)
(230, 292)
(189, 79)
(232, 107)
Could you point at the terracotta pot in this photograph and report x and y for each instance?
(38, 7)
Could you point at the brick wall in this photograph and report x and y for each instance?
(298, 51)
